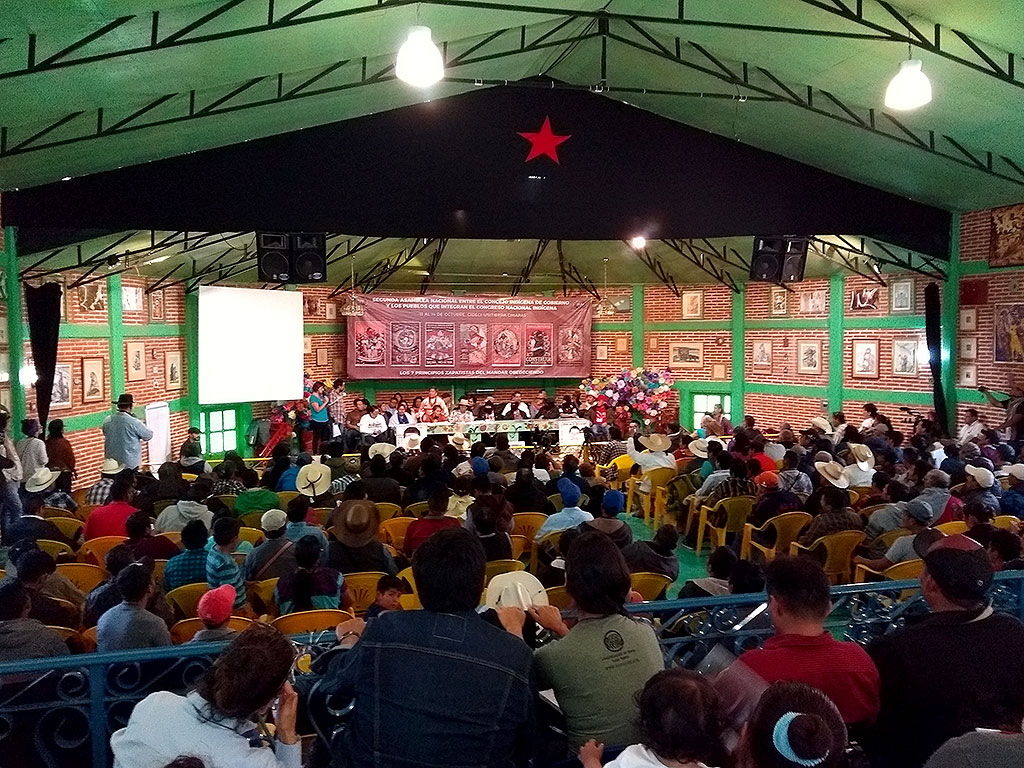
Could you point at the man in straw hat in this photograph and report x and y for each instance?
(861, 469)
(40, 491)
(122, 433)
(356, 548)
(657, 456)
(313, 480)
(100, 491)
(462, 413)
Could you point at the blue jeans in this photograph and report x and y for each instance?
(10, 506)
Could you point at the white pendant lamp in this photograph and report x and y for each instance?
(419, 61)
(909, 88)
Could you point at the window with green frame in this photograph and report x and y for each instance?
(219, 431)
(703, 404)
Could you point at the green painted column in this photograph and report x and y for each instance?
(739, 376)
(836, 329)
(15, 327)
(115, 323)
(639, 340)
(950, 318)
(192, 355)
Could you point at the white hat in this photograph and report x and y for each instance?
(699, 447)
(459, 440)
(411, 442)
(1016, 471)
(518, 589)
(775, 451)
(41, 479)
(822, 424)
(656, 442)
(313, 479)
(984, 477)
(832, 471)
(862, 455)
(381, 449)
(111, 467)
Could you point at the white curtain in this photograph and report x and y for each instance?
(158, 419)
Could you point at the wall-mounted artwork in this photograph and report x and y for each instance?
(321, 356)
(92, 379)
(693, 305)
(157, 308)
(808, 357)
(1007, 237)
(652, 342)
(3, 329)
(307, 345)
(1008, 335)
(312, 305)
(172, 369)
(865, 299)
(718, 371)
(901, 295)
(92, 297)
(813, 302)
(60, 396)
(968, 347)
(761, 354)
(622, 305)
(968, 376)
(865, 359)
(601, 352)
(968, 320)
(5, 399)
(685, 355)
(904, 357)
(135, 360)
(332, 310)
(622, 344)
(779, 302)
(131, 298)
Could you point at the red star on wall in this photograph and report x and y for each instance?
(544, 142)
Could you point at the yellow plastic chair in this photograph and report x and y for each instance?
(853, 496)
(527, 524)
(229, 500)
(252, 519)
(261, 595)
(52, 512)
(660, 505)
(623, 464)
(659, 477)
(161, 505)
(552, 539)
(736, 510)
(70, 527)
(88, 637)
(83, 511)
(252, 535)
(556, 501)
(861, 491)
(417, 509)
(910, 569)
(520, 544)
(189, 477)
(839, 549)
(283, 497)
(496, 567)
(1004, 482)
(78, 495)
(410, 602)
(363, 586)
(787, 529)
(1007, 522)
(391, 550)
(186, 629)
(393, 531)
(886, 539)
(66, 633)
(386, 510)
(559, 597)
(953, 527)
(239, 558)
(303, 622)
(84, 576)
(184, 600)
(159, 567)
(867, 512)
(174, 536)
(649, 585)
(323, 516)
(55, 549)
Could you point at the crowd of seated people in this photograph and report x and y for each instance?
(911, 698)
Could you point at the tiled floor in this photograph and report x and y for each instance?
(690, 566)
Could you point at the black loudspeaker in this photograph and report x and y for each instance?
(291, 257)
(778, 259)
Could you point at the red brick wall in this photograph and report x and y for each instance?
(661, 305)
(757, 304)
(783, 369)
(773, 410)
(975, 235)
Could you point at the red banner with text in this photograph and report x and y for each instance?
(470, 337)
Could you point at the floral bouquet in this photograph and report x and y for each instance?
(636, 394)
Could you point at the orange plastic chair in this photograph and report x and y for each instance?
(174, 536)
(649, 585)
(861, 491)
(520, 544)
(304, 622)
(363, 586)
(159, 567)
(386, 510)
(559, 597)
(51, 512)
(839, 549)
(527, 524)
(84, 576)
(66, 633)
(496, 567)
(787, 528)
(184, 600)
(88, 637)
(393, 531)
(55, 549)
(261, 595)
(737, 510)
(186, 629)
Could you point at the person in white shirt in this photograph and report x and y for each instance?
(433, 399)
(516, 409)
(31, 450)
(221, 721)
(658, 456)
(870, 416)
(462, 414)
(372, 423)
(972, 427)
(860, 473)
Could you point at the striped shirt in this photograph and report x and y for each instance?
(222, 569)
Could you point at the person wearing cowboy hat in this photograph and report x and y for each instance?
(313, 480)
(99, 492)
(40, 491)
(122, 434)
(656, 456)
(861, 469)
(462, 414)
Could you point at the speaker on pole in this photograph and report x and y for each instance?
(778, 259)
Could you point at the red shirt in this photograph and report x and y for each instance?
(767, 464)
(423, 529)
(156, 547)
(843, 671)
(108, 520)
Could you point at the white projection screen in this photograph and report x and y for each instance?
(250, 345)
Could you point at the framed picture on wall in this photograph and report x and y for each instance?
(60, 397)
(601, 352)
(901, 295)
(808, 357)
(92, 379)
(718, 371)
(307, 345)
(131, 298)
(1008, 339)
(865, 299)
(968, 347)
(157, 309)
(761, 354)
(622, 305)
(312, 305)
(135, 360)
(693, 305)
(3, 329)
(779, 301)
(5, 399)
(968, 320)
(332, 310)
(321, 356)
(622, 344)
(92, 297)
(686, 355)
(865, 359)
(813, 302)
(172, 369)
(652, 342)
(968, 376)
(904, 357)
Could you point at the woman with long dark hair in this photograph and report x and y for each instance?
(60, 454)
(312, 586)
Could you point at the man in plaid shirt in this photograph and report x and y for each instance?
(100, 492)
(190, 566)
(610, 451)
(336, 404)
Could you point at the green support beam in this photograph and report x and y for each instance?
(639, 339)
(192, 355)
(115, 323)
(739, 346)
(15, 327)
(836, 328)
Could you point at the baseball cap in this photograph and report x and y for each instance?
(613, 501)
(479, 465)
(273, 520)
(984, 477)
(569, 491)
(919, 510)
(960, 567)
(215, 606)
(767, 480)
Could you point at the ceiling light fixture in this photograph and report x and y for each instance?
(639, 242)
(604, 307)
(419, 61)
(910, 87)
(352, 305)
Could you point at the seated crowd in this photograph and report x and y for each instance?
(457, 681)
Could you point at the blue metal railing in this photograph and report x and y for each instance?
(53, 710)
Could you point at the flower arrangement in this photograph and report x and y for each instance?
(635, 394)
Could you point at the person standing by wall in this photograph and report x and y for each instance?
(31, 449)
(319, 418)
(10, 469)
(60, 453)
(336, 407)
(122, 433)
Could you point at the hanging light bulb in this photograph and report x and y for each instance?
(604, 307)
(909, 88)
(639, 242)
(419, 61)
